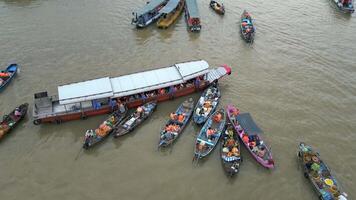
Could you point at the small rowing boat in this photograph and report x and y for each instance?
(319, 174)
(230, 151)
(93, 137)
(251, 136)
(209, 135)
(217, 7)
(11, 120)
(345, 6)
(170, 13)
(135, 119)
(247, 28)
(176, 124)
(207, 104)
(7, 75)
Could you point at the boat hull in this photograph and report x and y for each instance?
(12, 68)
(10, 121)
(165, 23)
(265, 163)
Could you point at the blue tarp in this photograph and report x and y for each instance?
(247, 123)
(192, 7)
(171, 5)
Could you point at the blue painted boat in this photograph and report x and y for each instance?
(168, 136)
(7, 75)
(207, 104)
(148, 14)
(247, 28)
(205, 141)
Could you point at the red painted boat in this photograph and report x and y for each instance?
(100, 96)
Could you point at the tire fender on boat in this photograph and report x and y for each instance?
(37, 122)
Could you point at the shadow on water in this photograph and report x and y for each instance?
(20, 3)
(143, 34)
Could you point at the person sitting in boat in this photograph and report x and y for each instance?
(201, 146)
(245, 139)
(252, 144)
(181, 118)
(17, 112)
(261, 153)
(139, 112)
(210, 133)
(218, 117)
(122, 108)
(173, 116)
(230, 143)
(235, 151)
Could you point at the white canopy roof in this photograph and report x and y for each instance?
(131, 83)
(85, 91)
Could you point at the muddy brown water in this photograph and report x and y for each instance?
(297, 80)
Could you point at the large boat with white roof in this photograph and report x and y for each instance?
(103, 95)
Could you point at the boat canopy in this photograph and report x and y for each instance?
(247, 123)
(171, 5)
(132, 83)
(192, 8)
(150, 6)
(158, 78)
(85, 91)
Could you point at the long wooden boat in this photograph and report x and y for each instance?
(345, 6)
(247, 28)
(192, 15)
(176, 124)
(205, 141)
(207, 104)
(93, 137)
(230, 151)
(319, 174)
(7, 75)
(170, 13)
(217, 7)
(250, 135)
(148, 14)
(101, 96)
(135, 119)
(11, 120)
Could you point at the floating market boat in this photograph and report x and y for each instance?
(207, 104)
(135, 119)
(7, 75)
(247, 28)
(11, 120)
(319, 174)
(170, 12)
(100, 96)
(93, 137)
(192, 15)
(251, 135)
(148, 14)
(346, 6)
(176, 124)
(230, 151)
(209, 135)
(217, 7)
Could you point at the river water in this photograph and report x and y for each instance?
(297, 80)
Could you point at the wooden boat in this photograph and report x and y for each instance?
(148, 14)
(217, 7)
(93, 137)
(11, 120)
(207, 104)
(101, 96)
(345, 6)
(7, 75)
(174, 127)
(246, 27)
(170, 13)
(135, 119)
(204, 143)
(250, 135)
(319, 174)
(192, 15)
(230, 151)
